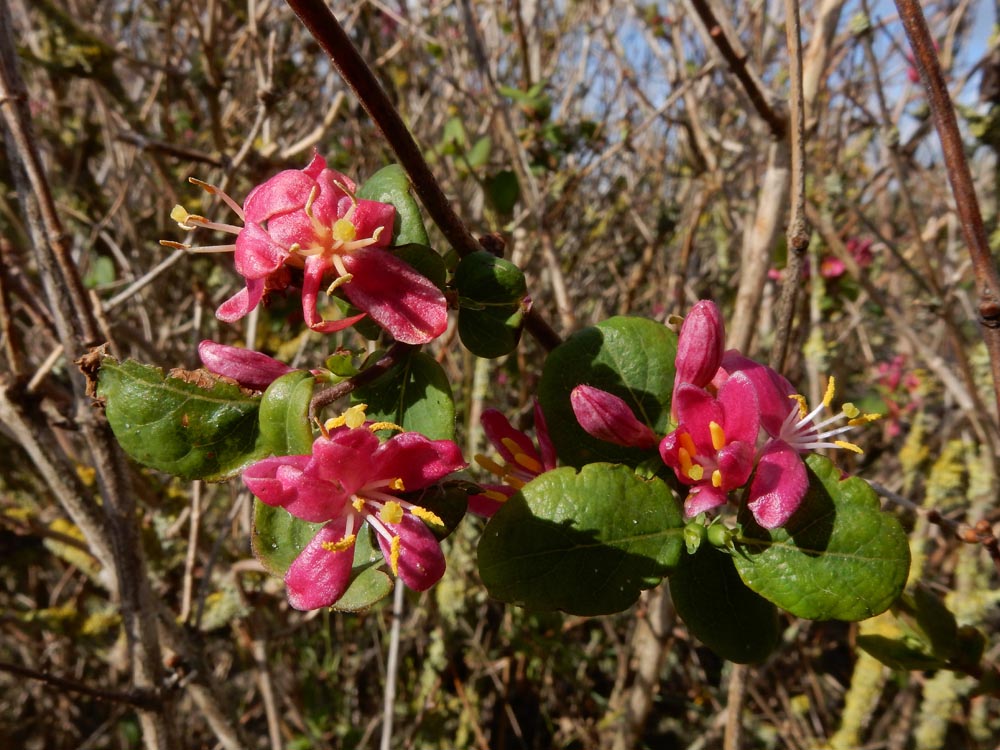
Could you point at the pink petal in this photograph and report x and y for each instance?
(369, 216)
(248, 368)
(346, 458)
(484, 505)
(498, 428)
(241, 303)
(287, 482)
(312, 280)
(700, 344)
(735, 464)
(696, 409)
(316, 166)
(545, 445)
(779, 484)
(257, 254)
(285, 192)
(421, 561)
(405, 303)
(702, 498)
(738, 398)
(318, 577)
(773, 390)
(417, 460)
(609, 418)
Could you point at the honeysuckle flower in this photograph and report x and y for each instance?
(310, 219)
(609, 418)
(351, 479)
(700, 346)
(712, 449)
(519, 461)
(248, 368)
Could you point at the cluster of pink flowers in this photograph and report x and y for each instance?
(900, 388)
(310, 219)
(351, 478)
(832, 267)
(738, 422)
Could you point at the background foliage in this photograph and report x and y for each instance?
(611, 147)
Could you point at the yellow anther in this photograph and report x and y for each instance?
(849, 410)
(392, 512)
(685, 459)
(394, 546)
(514, 482)
(828, 396)
(716, 478)
(358, 503)
(175, 245)
(344, 231)
(426, 515)
(353, 417)
(687, 443)
(864, 419)
(523, 459)
(696, 472)
(847, 446)
(801, 401)
(210, 189)
(718, 436)
(184, 218)
(490, 465)
(376, 426)
(346, 543)
(397, 484)
(494, 495)
(338, 282)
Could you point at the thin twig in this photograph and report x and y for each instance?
(798, 231)
(137, 698)
(960, 178)
(392, 667)
(389, 360)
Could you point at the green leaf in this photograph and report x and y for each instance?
(503, 191)
(424, 261)
(391, 185)
(492, 294)
(416, 395)
(720, 611)
(586, 543)
(633, 358)
(284, 414)
(195, 428)
(369, 583)
(278, 537)
(839, 557)
(479, 154)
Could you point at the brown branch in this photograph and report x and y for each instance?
(960, 178)
(389, 360)
(737, 61)
(327, 31)
(136, 698)
(798, 230)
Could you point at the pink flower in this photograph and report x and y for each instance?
(712, 449)
(609, 418)
(310, 219)
(519, 461)
(248, 368)
(700, 346)
(351, 478)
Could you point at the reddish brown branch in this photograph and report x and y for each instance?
(959, 176)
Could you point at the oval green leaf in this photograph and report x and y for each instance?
(197, 427)
(719, 609)
(838, 558)
(416, 395)
(633, 358)
(586, 543)
(284, 414)
(391, 185)
(493, 298)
